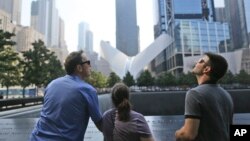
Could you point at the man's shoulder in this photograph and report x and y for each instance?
(87, 87)
(203, 87)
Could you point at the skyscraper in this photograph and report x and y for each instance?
(14, 8)
(89, 41)
(220, 14)
(45, 19)
(236, 16)
(127, 31)
(247, 14)
(85, 37)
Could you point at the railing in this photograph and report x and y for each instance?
(19, 102)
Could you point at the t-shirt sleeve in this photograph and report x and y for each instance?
(192, 105)
(142, 127)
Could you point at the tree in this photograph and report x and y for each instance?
(228, 78)
(243, 78)
(112, 79)
(128, 79)
(9, 60)
(97, 79)
(145, 79)
(186, 79)
(24, 79)
(54, 68)
(9, 71)
(5, 39)
(42, 65)
(166, 79)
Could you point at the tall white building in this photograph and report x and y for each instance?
(89, 41)
(14, 8)
(5, 21)
(45, 19)
(85, 37)
(127, 31)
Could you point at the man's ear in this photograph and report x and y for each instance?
(79, 68)
(207, 69)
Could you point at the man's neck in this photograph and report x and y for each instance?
(204, 79)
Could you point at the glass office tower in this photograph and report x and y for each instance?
(247, 14)
(236, 16)
(191, 24)
(127, 31)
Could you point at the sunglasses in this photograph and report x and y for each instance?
(88, 62)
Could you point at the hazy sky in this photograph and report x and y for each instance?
(100, 15)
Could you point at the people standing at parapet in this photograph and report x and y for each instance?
(69, 101)
(208, 107)
(121, 123)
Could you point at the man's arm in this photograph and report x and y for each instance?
(99, 125)
(189, 131)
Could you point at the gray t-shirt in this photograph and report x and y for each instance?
(214, 107)
(115, 130)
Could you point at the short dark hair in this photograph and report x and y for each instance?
(72, 60)
(218, 65)
(120, 98)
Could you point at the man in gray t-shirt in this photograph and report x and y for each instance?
(208, 107)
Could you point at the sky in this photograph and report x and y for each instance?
(100, 15)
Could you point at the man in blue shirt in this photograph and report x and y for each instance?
(69, 101)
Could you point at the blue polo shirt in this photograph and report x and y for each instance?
(68, 104)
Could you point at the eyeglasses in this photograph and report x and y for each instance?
(201, 61)
(88, 62)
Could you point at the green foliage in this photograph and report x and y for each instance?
(186, 79)
(166, 79)
(41, 65)
(9, 71)
(5, 39)
(112, 79)
(128, 79)
(145, 79)
(9, 60)
(97, 79)
(54, 68)
(243, 78)
(228, 78)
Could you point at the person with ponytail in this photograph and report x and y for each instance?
(122, 123)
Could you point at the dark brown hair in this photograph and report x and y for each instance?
(120, 98)
(218, 66)
(72, 60)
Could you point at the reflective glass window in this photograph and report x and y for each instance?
(187, 6)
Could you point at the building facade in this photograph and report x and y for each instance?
(193, 27)
(14, 8)
(5, 21)
(236, 16)
(89, 41)
(45, 19)
(25, 37)
(85, 37)
(127, 31)
(220, 14)
(247, 14)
